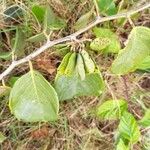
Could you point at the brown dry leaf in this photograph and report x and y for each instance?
(146, 83)
(40, 133)
(43, 132)
(46, 64)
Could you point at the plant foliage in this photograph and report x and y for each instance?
(33, 99)
(136, 50)
(78, 76)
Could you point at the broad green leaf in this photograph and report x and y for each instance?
(4, 90)
(33, 99)
(38, 12)
(13, 13)
(73, 80)
(69, 87)
(51, 21)
(19, 42)
(2, 137)
(111, 109)
(37, 38)
(112, 43)
(121, 145)
(145, 65)
(128, 128)
(5, 55)
(107, 7)
(83, 20)
(136, 50)
(145, 121)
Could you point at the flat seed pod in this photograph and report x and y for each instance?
(80, 66)
(63, 65)
(70, 69)
(89, 64)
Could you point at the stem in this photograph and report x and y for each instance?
(97, 8)
(49, 44)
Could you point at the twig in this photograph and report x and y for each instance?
(70, 37)
(126, 88)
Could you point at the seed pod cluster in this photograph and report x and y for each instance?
(76, 63)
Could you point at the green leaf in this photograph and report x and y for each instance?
(37, 38)
(83, 20)
(145, 121)
(33, 99)
(38, 12)
(111, 109)
(121, 145)
(4, 90)
(5, 55)
(2, 138)
(19, 42)
(51, 21)
(107, 7)
(100, 44)
(136, 50)
(108, 41)
(128, 128)
(145, 65)
(69, 87)
(13, 13)
(73, 80)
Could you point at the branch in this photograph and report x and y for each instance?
(70, 37)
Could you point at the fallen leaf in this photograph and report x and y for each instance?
(40, 133)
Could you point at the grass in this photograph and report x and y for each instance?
(75, 129)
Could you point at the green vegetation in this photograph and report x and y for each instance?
(75, 75)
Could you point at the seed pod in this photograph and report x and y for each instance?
(70, 69)
(80, 66)
(89, 64)
(64, 63)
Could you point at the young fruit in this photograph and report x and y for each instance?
(89, 64)
(63, 65)
(71, 64)
(80, 66)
